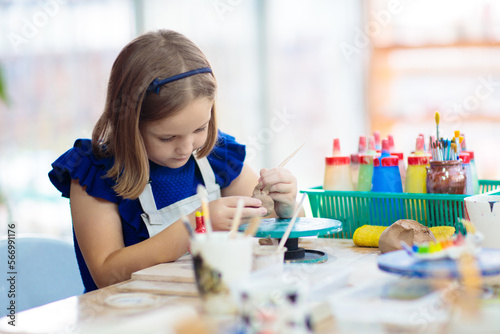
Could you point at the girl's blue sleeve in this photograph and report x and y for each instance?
(80, 163)
(226, 159)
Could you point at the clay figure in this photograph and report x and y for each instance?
(407, 230)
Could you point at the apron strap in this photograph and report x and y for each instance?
(213, 189)
(147, 201)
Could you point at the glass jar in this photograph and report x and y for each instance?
(446, 177)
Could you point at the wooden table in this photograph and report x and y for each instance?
(175, 306)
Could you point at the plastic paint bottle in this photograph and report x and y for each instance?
(337, 174)
(473, 172)
(421, 135)
(401, 161)
(337, 171)
(469, 188)
(336, 147)
(355, 161)
(366, 167)
(401, 166)
(419, 146)
(378, 145)
(365, 172)
(386, 150)
(416, 174)
(386, 177)
(200, 224)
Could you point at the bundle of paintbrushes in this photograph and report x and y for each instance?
(446, 149)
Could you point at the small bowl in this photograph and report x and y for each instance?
(265, 256)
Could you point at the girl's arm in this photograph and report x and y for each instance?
(243, 185)
(98, 229)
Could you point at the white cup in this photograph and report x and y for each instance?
(218, 262)
(484, 212)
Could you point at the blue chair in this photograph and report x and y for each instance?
(46, 271)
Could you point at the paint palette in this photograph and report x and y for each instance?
(400, 262)
(439, 259)
(448, 248)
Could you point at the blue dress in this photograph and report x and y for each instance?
(168, 185)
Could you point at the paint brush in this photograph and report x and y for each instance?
(456, 138)
(290, 156)
(437, 118)
(407, 248)
(236, 219)
(285, 236)
(253, 226)
(202, 193)
(453, 149)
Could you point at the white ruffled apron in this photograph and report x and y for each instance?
(158, 220)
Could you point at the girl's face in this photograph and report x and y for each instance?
(170, 141)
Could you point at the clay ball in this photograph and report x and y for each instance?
(407, 230)
(267, 201)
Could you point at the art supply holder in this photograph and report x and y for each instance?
(357, 208)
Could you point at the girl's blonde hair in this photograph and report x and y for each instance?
(160, 54)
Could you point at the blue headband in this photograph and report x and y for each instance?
(157, 83)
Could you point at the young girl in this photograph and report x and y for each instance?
(156, 140)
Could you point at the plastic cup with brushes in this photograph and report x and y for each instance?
(220, 259)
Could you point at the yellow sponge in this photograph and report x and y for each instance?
(442, 232)
(367, 235)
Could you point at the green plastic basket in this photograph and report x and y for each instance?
(357, 208)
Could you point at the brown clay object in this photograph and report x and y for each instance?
(263, 195)
(407, 230)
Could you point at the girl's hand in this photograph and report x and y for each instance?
(282, 186)
(223, 210)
